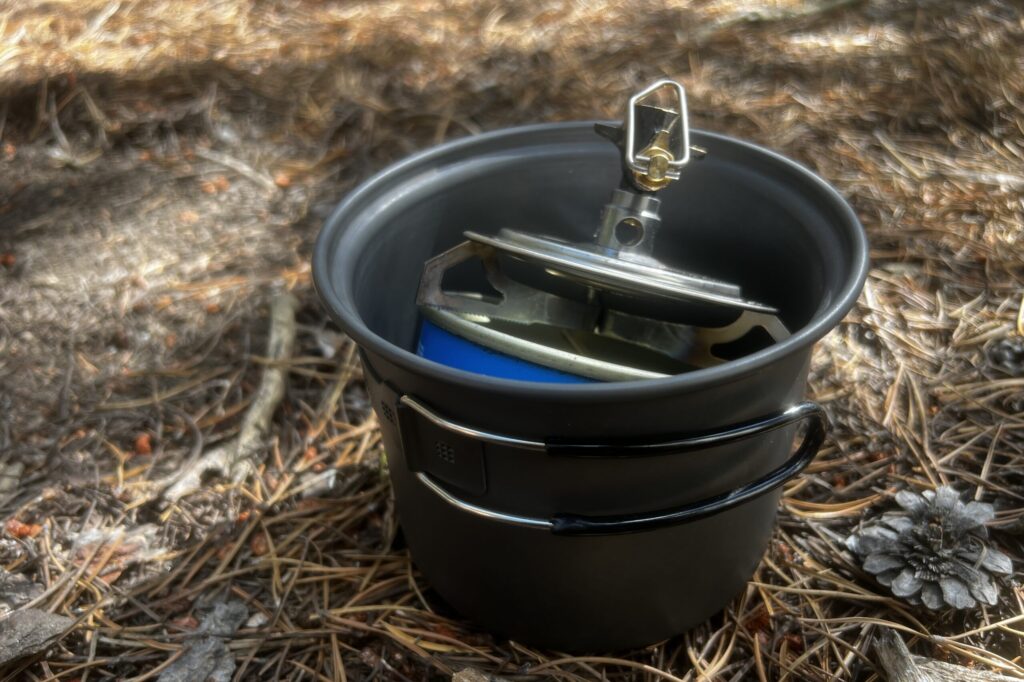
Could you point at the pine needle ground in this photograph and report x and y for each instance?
(166, 166)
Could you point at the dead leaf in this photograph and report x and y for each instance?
(258, 545)
(143, 444)
(109, 552)
(796, 642)
(186, 623)
(17, 529)
(215, 185)
(108, 562)
(759, 621)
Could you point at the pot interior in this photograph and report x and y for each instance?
(740, 215)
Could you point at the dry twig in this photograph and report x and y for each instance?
(235, 458)
(900, 666)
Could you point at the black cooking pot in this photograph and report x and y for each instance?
(606, 515)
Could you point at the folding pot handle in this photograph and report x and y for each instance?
(575, 524)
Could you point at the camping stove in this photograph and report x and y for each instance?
(569, 312)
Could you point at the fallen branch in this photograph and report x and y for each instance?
(900, 666)
(30, 631)
(234, 459)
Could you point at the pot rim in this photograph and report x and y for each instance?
(337, 296)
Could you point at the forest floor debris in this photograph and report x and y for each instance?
(164, 169)
(30, 631)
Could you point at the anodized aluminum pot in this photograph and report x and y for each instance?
(598, 516)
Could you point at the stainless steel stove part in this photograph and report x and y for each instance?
(657, 143)
(654, 142)
(516, 303)
(629, 224)
(548, 354)
(594, 267)
(470, 315)
(602, 353)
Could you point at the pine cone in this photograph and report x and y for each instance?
(934, 551)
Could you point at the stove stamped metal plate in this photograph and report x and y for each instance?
(591, 265)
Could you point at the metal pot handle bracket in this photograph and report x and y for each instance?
(456, 442)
